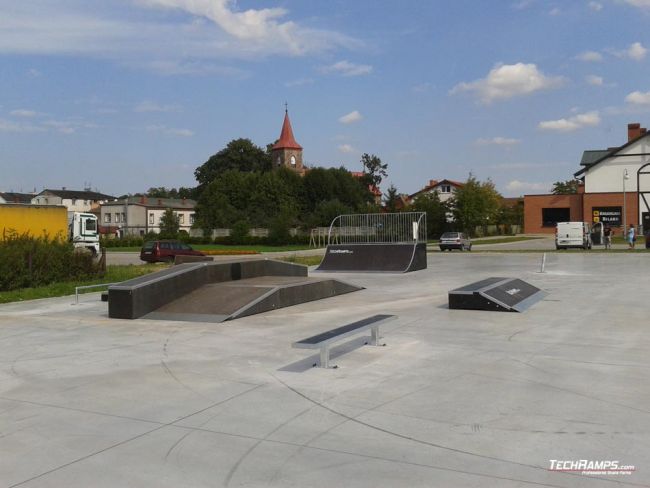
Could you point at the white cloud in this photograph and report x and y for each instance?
(422, 87)
(170, 131)
(149, 106)
(497, 141)
(522, 4)
(594, 80)
(636, 51)
(570, 124)
(201, 30)
(34, 73)
(639, 3)
(519, 186)
(345, 68)
(351, 118)
(299, 82)
(509, 80)
(555, 11)
(638, 98)
(590, 57)
(596, 6)
(347, 148)
(11, 126)
(24, 113)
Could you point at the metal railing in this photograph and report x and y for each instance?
(77, 288)
(386, 228)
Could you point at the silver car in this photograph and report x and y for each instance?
(455, 240)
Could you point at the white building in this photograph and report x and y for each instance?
(73, 200)
(141, 215)
(444, 188)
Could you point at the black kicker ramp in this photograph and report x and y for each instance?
(496, 294)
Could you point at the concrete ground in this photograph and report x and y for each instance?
(455, 399)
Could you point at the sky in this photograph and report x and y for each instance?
(124, 95)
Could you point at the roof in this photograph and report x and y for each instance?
(178, 203)
(286, 141)
(592, 155)
(435, 183)
(13, 197)
(606, 154)
(77, 195)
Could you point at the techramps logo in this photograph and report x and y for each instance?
(589, 467)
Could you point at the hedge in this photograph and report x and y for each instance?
(27, 262)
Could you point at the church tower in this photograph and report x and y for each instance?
(287, 152)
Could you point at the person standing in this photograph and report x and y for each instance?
(608, 237)
(631, 236)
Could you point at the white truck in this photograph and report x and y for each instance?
(572, 234)
(83, 231)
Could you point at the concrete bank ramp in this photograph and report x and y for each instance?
(216, 292)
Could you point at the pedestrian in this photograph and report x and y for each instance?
(608, 237)
(631, 236)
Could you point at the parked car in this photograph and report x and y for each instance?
(455, 240)
(166, 251)
(572, 234)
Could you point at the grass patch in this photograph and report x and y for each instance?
(304, 260)
(503, 240)
(499, 240)
(114, 274)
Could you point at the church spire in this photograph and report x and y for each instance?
(286, 141)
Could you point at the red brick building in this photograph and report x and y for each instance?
(606, 175)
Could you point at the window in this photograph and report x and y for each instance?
(123, 217)
(192, 219)
(293, 160)
(107, 218)
(181, 218)
(151, 219)
(551, 216)
(445, 189)
(117, 218)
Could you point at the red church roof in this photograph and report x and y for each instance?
(286, 140)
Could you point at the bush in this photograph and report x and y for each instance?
(239, 232)
(27, 261)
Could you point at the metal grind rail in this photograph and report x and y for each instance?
(86, 287)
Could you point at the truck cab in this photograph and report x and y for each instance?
(84, 231)
(572, 234)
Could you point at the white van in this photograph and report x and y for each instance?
(572, 234)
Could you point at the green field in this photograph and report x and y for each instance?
(114, 274)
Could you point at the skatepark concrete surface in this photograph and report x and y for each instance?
(455, 399)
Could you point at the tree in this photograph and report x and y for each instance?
(374, 170)
(391, 198)
(169, 224)
(475, 204)
(567, 187)
(436, 211)
(240, 155)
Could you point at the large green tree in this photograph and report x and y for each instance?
(391, 199)
(567, 187)
(437, 213)
(374, 170)
(169, 224)
(475, 204)
(239, 155)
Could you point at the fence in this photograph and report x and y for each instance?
(379, 228)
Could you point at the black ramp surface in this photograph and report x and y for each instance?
(396, 258)
(511, 292)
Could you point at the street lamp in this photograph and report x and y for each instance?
(626, 176)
